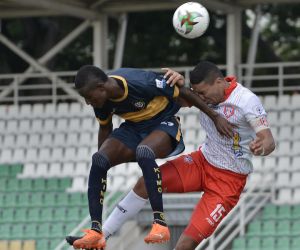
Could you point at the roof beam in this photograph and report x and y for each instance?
(11, 13)
(60, 7)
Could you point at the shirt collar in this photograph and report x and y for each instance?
(231, 87)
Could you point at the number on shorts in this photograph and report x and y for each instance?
(217, 213)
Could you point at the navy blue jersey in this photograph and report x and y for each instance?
(146, 98)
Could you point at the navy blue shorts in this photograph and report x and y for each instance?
(131, 135)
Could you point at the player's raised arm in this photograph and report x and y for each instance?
(174, 78)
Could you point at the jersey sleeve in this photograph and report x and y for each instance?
(255, 114)
(103, 115)
(160, 87)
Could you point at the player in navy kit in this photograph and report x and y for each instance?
(148, 105)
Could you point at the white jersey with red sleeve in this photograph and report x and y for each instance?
(243, 109)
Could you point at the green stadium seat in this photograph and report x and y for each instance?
(36, 200)
(269, 228)
(2, 198)
(60, 214)
(23, 200)
(284, 212)
(39, 185)
(15, 169)
(7, 215)
(25, 185)
(253, 243)
(53, 185)
(295, 229)
(43, 230)
(10, 200)
(69, 227)
(75, 199)
(33, 214)
(30, 231)
(295, 243)
(283, 228)
(65, 183)
(17, 231)
(4, 170)
(239, 244)
(268, 243)
(4, 230)
(46, 214)
(42, 244)
(20, 215)
(254, 228)
(73, 214)
(55, 242)
(283, 243)
(49, 199)
(3, 183)
(84, 212)
(296, 212)
(57, 230)
(269, 212)
(62, 199)
(12, 185)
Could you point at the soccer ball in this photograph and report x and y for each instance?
(191, 20)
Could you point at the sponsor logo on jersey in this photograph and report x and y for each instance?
(236, 145)
(228, 111)
(160, 83)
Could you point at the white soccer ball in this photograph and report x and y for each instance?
(191, 20)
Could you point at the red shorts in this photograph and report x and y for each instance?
(222, 189)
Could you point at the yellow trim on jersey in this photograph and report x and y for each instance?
(125, 88)
(178, 135)
(104, 122)
(176, 92)
(157, 105)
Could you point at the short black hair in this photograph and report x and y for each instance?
(89, 76)
(205, 71)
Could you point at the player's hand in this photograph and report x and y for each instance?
(173, 77)
(224, 127)
(256, 146)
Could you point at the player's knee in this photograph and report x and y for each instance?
(99, 159)
(144, 152)
(140, 188)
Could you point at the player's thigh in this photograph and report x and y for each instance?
(160, 142)
(116, 151)
(208, 213)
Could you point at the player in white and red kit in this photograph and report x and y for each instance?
(220, 167)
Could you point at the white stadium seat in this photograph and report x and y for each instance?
(25, 111)
(83, 154)
(296, 133)
(74, 125)
(285, 118)
(270, 102)
(82, 169)
(54, 170)
(34, 140)
(18, 155)
(296, 196)
(295, 102)
(284, 196)
(283, 148)
(295, 180)
(284, 164)
(37, 126)
(75, 110)
(70, 154)
(11, 127)
(22, 141)
(31, 155)
(62, 110)
(9, 141)
(41, 170)
(283, 179)
(37, 111)
(284, 102)
(72, 140)
(79, 184)
(24, 126)
(59, 140)
(285, 133)
(67, 169)
(296, 148)
(296, 163)
(46, 140)
(44, 155)
(6, 156)
(49, 126)
(28, 171)
(12, 112)
(85, 139)
(50, 110)
(296, 118)
(89, 124)
(57, 155)
(62, 125)
(273, 118)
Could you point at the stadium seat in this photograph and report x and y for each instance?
(296, 118)
(283, 243)
(253, 243)
(285, 118)
(46, 140)
(284, 196)
(283, 164)
(50, 110)
(37, 111)
(72, 140)
(239, 244)
(254, 228)
(285, 133)
(41, 170)
(75, 110)
(284, 102)
(59, 140)
(9, 141)
(296, 196)
(296, 133)
(29, 245)
(269, 212)
(62, 125)
(24, 126)
(295, 102)
(12, 112)
(49, 126)
(268, 243)
(57, 155)
(15, 244)
(283, 228)
(296, 148)
(295, 163)
(74, 125)
(270, 102)
(62, 110)
(273, 118)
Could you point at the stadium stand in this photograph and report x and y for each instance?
(44, 165)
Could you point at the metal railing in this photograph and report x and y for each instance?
(274, 78)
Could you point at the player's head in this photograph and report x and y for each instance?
(208, 82)
(90, 82)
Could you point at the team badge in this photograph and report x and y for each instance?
(228, 111)
(139, 104)
(188, 159)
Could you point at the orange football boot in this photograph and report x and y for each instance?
(158, 234)
(91, 240)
